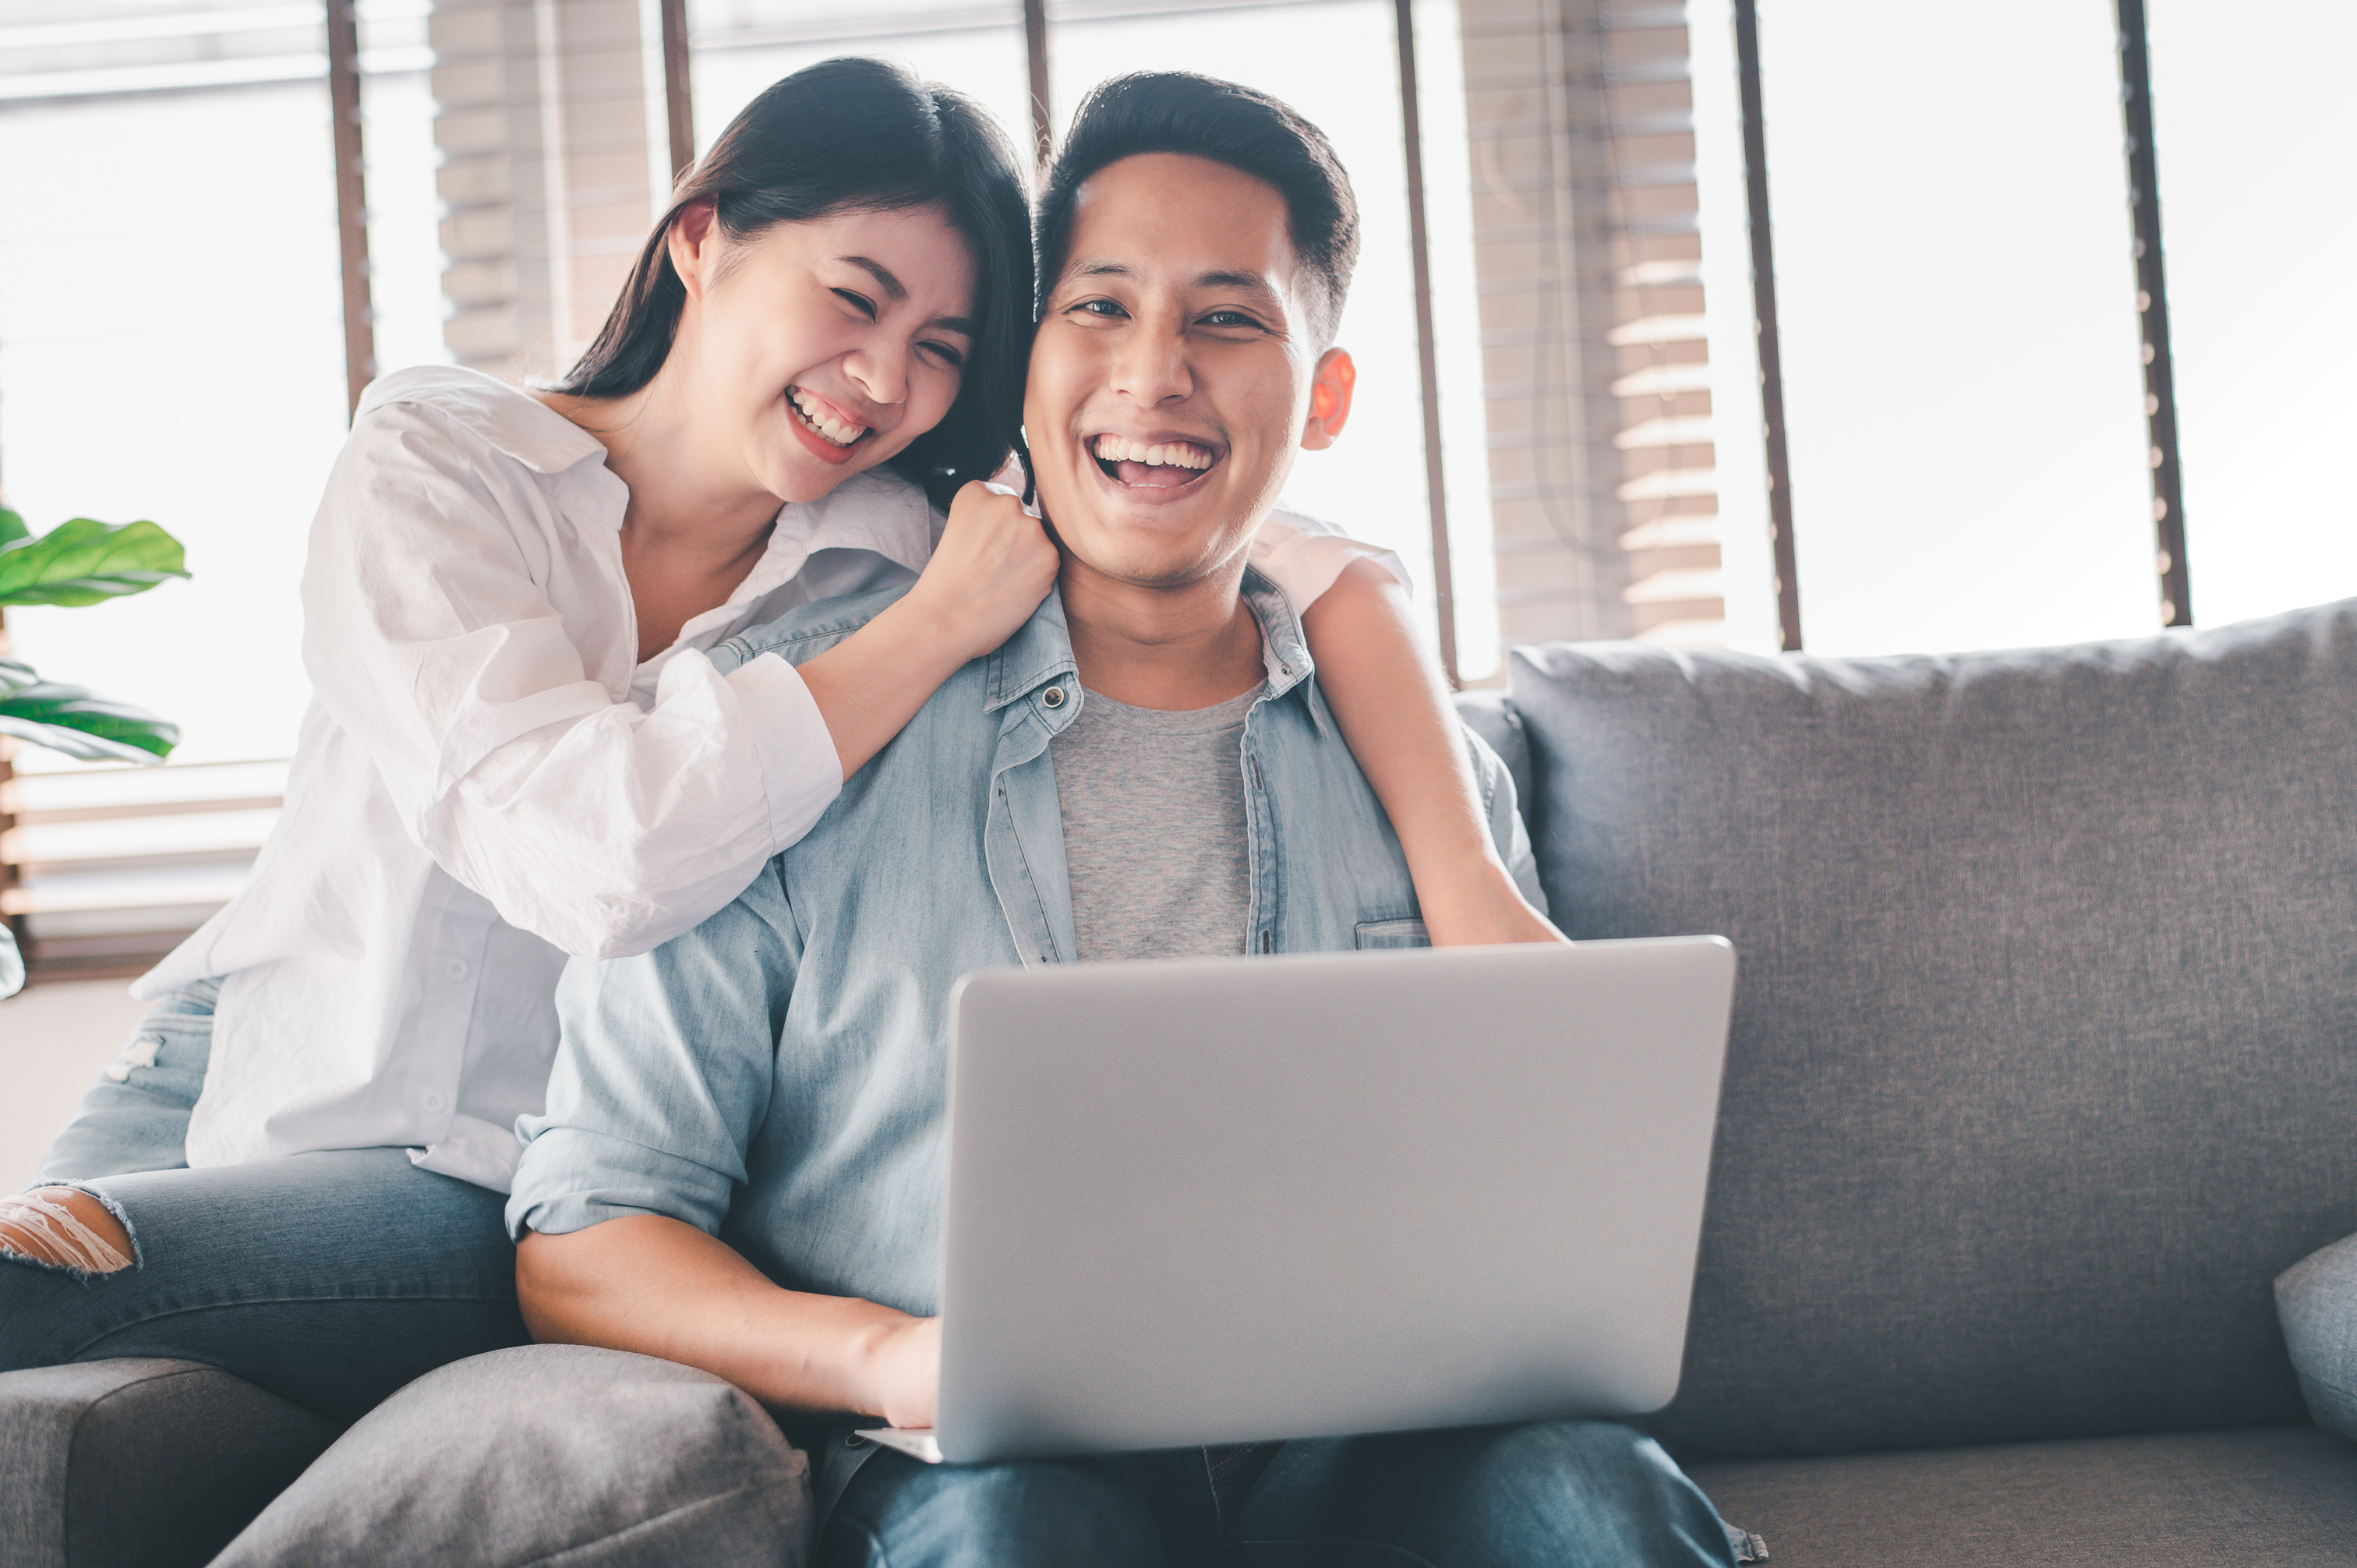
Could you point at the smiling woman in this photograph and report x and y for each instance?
(521, 747)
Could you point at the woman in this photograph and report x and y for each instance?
(519, 750)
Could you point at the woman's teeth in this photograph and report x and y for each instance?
(1167, 455)
(817, 419)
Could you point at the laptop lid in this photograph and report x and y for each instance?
(1229, 1199)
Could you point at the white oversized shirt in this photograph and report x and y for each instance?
(487, 778)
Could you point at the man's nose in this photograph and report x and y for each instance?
(1151, 367)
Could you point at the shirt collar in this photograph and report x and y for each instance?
(1042, 648)
(511, 420)
(878, 511)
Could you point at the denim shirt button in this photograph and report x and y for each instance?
(1053, 697)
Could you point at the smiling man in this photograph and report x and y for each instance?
(741, 1162)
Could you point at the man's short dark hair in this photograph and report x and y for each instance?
(1200, 116)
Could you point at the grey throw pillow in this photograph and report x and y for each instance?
(547, 1452)
(2316, 1300)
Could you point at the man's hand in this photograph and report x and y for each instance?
(992, 567)
(905, 1377)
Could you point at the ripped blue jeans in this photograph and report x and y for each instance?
(330, 1279)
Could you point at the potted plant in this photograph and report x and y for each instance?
(83, 561)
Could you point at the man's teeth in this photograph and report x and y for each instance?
(1169, 455)
(817, 419)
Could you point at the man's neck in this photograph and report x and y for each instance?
(1194, 645)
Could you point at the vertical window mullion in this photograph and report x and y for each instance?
(1426, 354)
(1763, 305)
(351, 197)
(679, 99)
(2152, 312)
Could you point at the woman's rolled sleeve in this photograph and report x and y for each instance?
(802, 773)
(1303, 555)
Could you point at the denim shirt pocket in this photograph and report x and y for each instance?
(1406, 931)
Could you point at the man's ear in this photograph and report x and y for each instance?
(693, 241)
(1330, 399)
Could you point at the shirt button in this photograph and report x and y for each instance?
(456, 969)
(433, 1101)
(1053, 697)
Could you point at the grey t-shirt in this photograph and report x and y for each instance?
(1154, 829)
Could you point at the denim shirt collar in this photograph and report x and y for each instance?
(1039, 654)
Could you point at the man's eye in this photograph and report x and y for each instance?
(860, 302)
(1229, 318)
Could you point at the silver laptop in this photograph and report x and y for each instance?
(1228, 1200)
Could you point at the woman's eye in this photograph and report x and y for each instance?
(859, 301)
(947, 354)
(1100, 307)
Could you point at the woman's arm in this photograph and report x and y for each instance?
(992, 567)
(661, 1287)
(490, 716)
(1395, 712)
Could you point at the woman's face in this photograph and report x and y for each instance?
(823, 348)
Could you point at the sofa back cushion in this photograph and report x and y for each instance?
(2044, 1058)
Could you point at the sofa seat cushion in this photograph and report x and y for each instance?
(140, 1464)
(2282, 1497)
(547, 1454)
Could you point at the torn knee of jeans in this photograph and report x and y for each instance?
(41, 1228)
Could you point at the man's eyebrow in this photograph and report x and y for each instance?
(1253, 282)
(1250, 281)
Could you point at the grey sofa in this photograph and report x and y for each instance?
(2044, 1064)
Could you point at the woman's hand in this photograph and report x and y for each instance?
(1474, 903)
(905, 1373)
(992, 567)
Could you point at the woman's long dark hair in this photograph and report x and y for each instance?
(854, 135)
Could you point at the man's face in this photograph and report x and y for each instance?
(1171, 378)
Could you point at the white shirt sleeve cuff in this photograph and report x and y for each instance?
(473, 1150)
(801, 769)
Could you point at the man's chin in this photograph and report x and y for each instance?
(1135, 565)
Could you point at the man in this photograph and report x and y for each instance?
(742, 1160)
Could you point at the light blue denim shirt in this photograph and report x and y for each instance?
(777, 1076)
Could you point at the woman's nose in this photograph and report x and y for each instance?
(881, 371)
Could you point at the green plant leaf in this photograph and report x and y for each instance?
(69, 719)
(12, 527)
(85, 561)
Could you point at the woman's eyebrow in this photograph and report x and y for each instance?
(893, 288)
(896, 290)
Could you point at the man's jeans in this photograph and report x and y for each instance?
(1560, 1494)
(330, 1279)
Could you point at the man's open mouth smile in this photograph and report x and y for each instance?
(827, 430)
(1167, 465)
